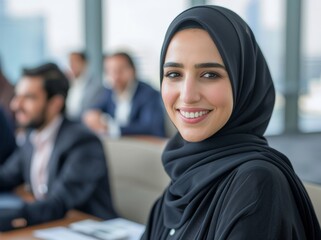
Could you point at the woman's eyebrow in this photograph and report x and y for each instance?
(173, 64)
(199, 65)
(209, 65)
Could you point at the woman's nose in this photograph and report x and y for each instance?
(190, 91)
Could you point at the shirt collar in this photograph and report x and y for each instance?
(48, 133)
(82, 79)
(129, 92)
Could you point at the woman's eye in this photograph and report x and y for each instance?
(210, 75)
(172, 75)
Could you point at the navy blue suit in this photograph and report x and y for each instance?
(147, 113)
(77, 178)
(7, 140)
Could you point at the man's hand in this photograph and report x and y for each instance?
(94, 120)
(11, 219)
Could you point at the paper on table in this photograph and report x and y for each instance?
(114, 229)
(60, 233)
(136, 230)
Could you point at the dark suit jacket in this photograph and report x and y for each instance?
(7, 140)
(77, 179)
(147, 113)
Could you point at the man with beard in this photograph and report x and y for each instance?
(61, 162)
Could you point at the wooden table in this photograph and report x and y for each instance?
(27, 233)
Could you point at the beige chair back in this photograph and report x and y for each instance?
(314, 191)
(136, 174)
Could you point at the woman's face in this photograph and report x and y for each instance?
(196, 88)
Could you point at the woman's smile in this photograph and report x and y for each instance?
(193, 115)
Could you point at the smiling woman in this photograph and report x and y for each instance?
(226, 181)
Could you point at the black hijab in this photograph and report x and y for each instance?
(196, 168)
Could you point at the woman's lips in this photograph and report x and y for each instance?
(193, 115)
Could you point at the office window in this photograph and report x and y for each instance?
(34, 31)
(139, 27)
(310, 84)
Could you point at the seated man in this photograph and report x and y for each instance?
(129, 106)
(61, 162)
(84, 86)
(7, 140)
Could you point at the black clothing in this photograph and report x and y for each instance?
(232, 185)
(7, 139)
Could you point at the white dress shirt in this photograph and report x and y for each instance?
(43, 142)
(75, 96)
(123, 105)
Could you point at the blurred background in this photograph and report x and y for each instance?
(288, 31)
(34, 31)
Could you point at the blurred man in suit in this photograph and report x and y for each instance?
(127, 106)
(61, 162)
(84, 86)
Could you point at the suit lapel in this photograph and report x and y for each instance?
(136, 102)
(58, 149)
(27, 154)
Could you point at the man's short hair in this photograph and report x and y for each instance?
(54, 80)
(81, 54)
(125, 55)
